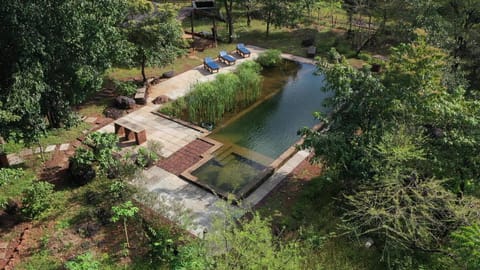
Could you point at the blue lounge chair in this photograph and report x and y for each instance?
(242, 50)
(226, 58)
(210, 65)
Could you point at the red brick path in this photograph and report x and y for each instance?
(184, 158)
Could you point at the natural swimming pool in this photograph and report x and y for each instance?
(257, 136)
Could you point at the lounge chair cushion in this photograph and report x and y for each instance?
(210, 63)
(241, 48)
(224, 55)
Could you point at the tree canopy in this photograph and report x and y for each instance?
(54, 56)
(403, 143)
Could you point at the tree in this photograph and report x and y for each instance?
(155, 37)
(401, 144)
(124, 211)
(228, 10)
(280, 13)
(54, 56)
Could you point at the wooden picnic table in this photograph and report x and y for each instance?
(130, 130)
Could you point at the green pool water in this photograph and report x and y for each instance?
(265, 131)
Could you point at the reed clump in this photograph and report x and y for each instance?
(208, 102)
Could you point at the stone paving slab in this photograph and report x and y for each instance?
(261, 192)
(90, 120)
(64, 146)
(172, 190)
(14, 159)
(50, 148)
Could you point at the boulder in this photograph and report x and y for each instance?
(168, 74)
(113, 113)
(308, 42)
(123, 102)
(161, 99)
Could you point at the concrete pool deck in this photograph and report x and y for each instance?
(171, 190)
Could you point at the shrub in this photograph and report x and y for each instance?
(145, 157)
(162, 248)
(99, 141)
(334, 56)
(365, 57)
(125, 88)
(104, 145)
(81, 166)
(37, 199)
(12, 184)
(270, 58)
(83, 262)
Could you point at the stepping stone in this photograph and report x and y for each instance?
(36, 150)
(13, 159)
(90, 120)
(50, 148)
(3, 245)
(64, 147)
(3, 255)
(26, 152)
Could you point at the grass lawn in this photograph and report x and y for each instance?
(285, 39)
(54, 136)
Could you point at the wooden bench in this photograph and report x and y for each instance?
(130, 130)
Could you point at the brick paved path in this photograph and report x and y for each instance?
(184, 158)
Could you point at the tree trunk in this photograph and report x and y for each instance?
(126, 232)
(144, 61)
(228, 9)
(249, 15)
(268, 24)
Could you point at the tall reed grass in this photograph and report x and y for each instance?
(208, 102)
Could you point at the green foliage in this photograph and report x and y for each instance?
(12, 183)
(175, 108)
(334, 56)
(269, 58)
(280, 13)
(208, 102)
(37, 199)
(251, 245)
(146, 157)
(396, 141)
(156, 39)
(193, 256)
(104, 145)
(40, 260)
(466, 245)
(125, 88)
(83, 262)
(81, 166)
(124, 211)
(162, 246)
(54, 60)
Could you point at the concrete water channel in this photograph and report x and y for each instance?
(174, 191)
